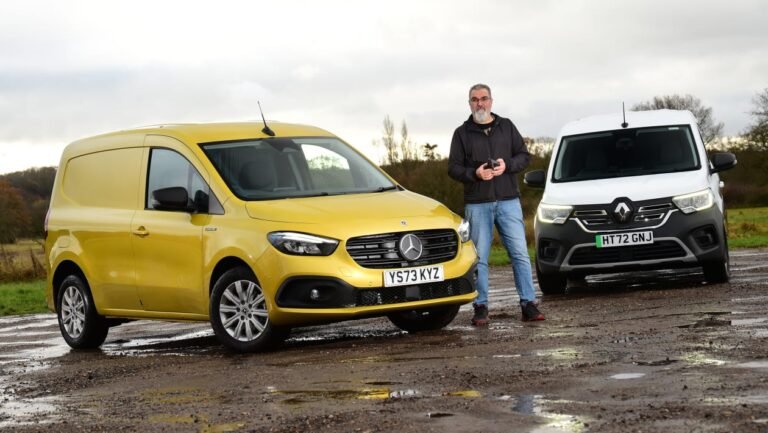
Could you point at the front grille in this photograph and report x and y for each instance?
(658, 250)
(396, 295)
(600, 217)
(381, 251)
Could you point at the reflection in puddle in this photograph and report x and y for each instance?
(315, 395)
(385, 393)
(626, 376)
(470, 393)
(529, 404)
(697, 358)
(753, 364)
(748, 322)
(177, 396)
(15, 412)
(561, 353)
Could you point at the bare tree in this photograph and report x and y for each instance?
(390, 145)
(710, 129)
(757, 133)
(406, 149)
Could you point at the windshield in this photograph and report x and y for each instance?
(626, 152)
(294, 167)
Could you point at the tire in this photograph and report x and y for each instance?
(718, 271)
(427, 319)
(239, 313)
(551, 284)
(81, 325)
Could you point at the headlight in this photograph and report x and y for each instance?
(695, 201)
(301, 244)
(554, 214)
(464, 230)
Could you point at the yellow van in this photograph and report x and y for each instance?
(256, 230)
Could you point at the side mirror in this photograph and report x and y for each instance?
(535, 178)
(722, 161)
(175, 198)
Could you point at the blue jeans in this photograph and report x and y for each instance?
(507, 216)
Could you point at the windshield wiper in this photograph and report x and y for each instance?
(386, 188)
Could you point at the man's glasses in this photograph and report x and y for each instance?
(483, 99)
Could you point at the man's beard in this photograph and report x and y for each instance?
(480, 116)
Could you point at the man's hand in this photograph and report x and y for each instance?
(500, 167)
(486, 172)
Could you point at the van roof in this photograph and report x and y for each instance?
(222, 131)
(635, 119)
(203, 133)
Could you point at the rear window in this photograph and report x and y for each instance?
(626, 152)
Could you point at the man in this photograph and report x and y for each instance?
(487, 152)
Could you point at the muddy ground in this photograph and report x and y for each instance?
(655, 352)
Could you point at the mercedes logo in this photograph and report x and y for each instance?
(622, 212)
(410, 247)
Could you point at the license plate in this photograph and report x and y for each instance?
(623, 239)
(410, 276)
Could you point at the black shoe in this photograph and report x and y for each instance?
(530, 312)
(481, 316)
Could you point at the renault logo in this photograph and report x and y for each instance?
(622, 212)
(410, 247)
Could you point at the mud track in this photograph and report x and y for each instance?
(655, 352)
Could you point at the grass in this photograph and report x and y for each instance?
(22, 298)
(747, 228)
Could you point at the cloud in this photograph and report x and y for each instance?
(72, 69)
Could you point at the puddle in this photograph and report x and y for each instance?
(25, 412)
(748, 322)
(707, 322)
(530, 404)
(36, 319)
(438, 414)
(753, 364)
(626, 376)
(384, 393)
(701, 359)
(469, 393)
(315, 395)
(177, 396)
(560, 353)
(222, 428)
(656, 363)
(757, 399)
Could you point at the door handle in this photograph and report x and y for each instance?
(141, 232)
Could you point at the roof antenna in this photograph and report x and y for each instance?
(624, 113)
(265, 129)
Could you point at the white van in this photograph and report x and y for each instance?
(630, 192)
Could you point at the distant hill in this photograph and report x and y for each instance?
(24, 202)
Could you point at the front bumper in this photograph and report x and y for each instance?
(680, 240)
(328, 289)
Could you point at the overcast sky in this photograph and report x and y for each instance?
(70, 69)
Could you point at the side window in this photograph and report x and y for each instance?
(327, 167)
(169, 169)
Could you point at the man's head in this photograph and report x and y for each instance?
(480, 103)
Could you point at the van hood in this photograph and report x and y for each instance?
(635, 188)
(339, 209)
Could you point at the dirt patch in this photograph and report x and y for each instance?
(657, 352)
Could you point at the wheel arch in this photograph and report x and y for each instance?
(223, 266)
(63, 270)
